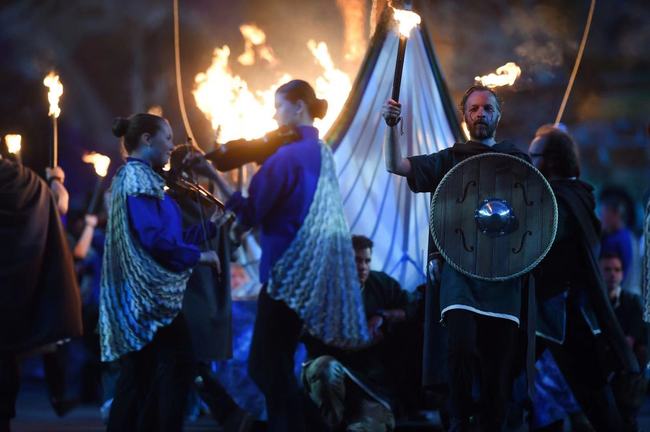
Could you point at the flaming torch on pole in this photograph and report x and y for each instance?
(406, 21)
(51, 81)
(13, 142)
(100, 163)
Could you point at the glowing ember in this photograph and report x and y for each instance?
(406, 21)
(236, 111)
(13, 143)
(52, 82)
(255, 41)
(506, 75)
(99, 161)
(155, 110)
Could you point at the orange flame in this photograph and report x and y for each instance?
(354, 15)
(99, 161)
(406, 21)
(236, 111)
(333, 85)
(13, 142)
(255, 41)
(51, 81)
(506, 75)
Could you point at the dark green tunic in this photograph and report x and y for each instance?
(458, 291)
(370, 364)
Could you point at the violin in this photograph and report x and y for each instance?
(237, 153)
(185, 186)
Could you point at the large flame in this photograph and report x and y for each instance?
(236, 111)
(13, 142)
(255, 42)
(506, 75)
(51, 81)
(333, 85)
(406, 21)
(354, 17)
(99, 161)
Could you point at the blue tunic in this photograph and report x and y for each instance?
(279, 196)
(158, 227)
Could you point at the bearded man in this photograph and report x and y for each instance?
(482, 317)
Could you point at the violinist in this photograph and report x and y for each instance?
(148, 259)
(207, 304)
(307, 266)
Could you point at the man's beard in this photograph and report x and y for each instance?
(482, 129)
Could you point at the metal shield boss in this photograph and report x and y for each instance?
(493, 217)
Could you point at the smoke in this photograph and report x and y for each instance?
(541, 38)
(354, 17)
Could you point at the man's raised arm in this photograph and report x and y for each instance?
(395, 163)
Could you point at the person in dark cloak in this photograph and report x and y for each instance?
(39, 294)
(207, 304)
(482, 317)
(575, 318)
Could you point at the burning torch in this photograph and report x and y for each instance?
(51, 81)
(406, 21)
(13, 142)
(100, 163)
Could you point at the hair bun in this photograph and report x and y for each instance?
(319, 108)
(120, 126)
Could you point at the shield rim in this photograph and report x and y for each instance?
(530, 267)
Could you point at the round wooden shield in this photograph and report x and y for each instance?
(493, 217)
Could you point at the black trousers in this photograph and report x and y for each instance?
(9, 385)
(152, 390)
(221, 404)
(271, 366)
(580, 360)
(54, 364)
(482, 349)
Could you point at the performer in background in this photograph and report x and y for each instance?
(307, 264)
(358, 389)
(148, 260)
(39, 295)
(482, 317)
(629, 389)
(573, 306)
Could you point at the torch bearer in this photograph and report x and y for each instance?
(51, 81)
(13, 142)
(100, 163)
(406, 20)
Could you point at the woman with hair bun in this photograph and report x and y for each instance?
(307, 266)
(147, 261)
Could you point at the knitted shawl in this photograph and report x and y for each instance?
(316, 276)
(137, 295)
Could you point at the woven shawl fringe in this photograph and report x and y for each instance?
(137, 295)
(316, 276)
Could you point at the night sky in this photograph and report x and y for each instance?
(115, 57)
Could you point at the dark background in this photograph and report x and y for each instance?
(115, 57)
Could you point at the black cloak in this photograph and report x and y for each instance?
(39, 294)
